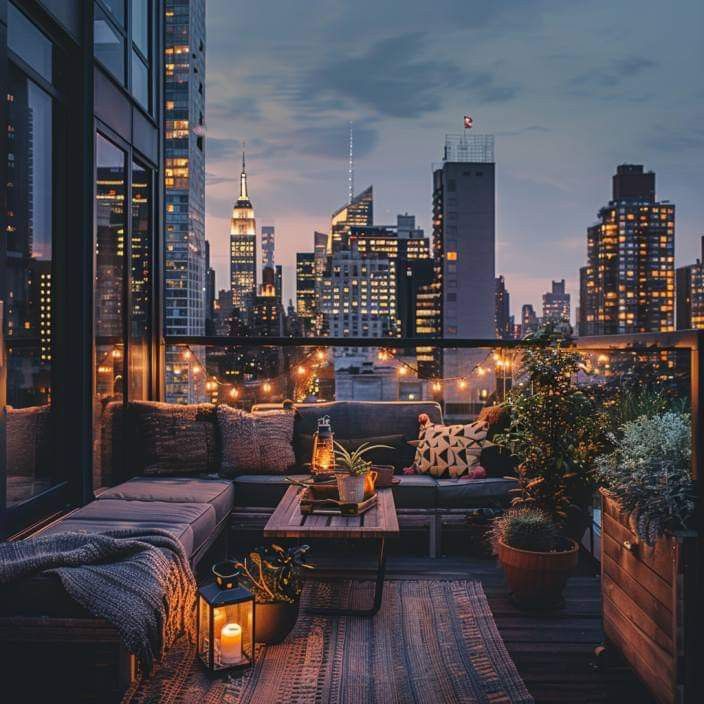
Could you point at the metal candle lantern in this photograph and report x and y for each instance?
(323, 460)
(225, 621)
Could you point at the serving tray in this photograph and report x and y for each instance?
(324, 499)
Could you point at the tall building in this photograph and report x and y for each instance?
(530, 321)
(210, 290)
(320, 258)
(359, 211)
(556, 303)
(460, 302)
(629, 281)
(266, 311)
(504, 328)
(690, 295)
(243, 248)
(268, 246)
(184, 184)
(306, 308)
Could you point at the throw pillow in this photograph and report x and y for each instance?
(255, 443)
(449, 449)
(397, 455)
(175, 438)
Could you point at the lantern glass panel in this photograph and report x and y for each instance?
(233, 634)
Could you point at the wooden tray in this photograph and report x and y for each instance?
(324, 499)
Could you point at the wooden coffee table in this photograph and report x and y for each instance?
(377, 523)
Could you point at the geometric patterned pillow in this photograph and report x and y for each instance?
(449, 449)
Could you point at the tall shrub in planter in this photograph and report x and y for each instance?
(556, 431)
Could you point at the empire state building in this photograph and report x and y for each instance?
(243, 248)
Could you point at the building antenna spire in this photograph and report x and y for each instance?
(350, 168)
(243, 178)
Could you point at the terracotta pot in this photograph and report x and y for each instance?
(274, 621)
(537, 579)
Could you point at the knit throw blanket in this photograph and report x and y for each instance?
(138, 580)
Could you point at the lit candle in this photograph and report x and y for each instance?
(231, 644)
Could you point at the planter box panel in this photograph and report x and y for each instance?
(660, 614)
(657, 557)
(639, 615)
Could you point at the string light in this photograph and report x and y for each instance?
(320, 355)
(402, 371)
(234, 392)
(186, 354)
(462, 383)
(300, 370)
(266, 387)
(211, 385)
(196, 369)
(437, 386)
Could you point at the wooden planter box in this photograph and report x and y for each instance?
(646, 593)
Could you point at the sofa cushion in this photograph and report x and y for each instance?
(200, 517)
(395, 454)
(175, 439)
(181, 531)
(364, 419)
(190, 490)
(452, 450)
(474, 493)
(262, 490)
(415, 491)
(255, 443)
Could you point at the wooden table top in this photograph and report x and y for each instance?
(287, 521)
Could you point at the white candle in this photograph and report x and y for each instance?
(231, 644)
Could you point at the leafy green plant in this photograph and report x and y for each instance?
(648, 472)
(354, 461)
(555, 431)
(526, 529)
(274, 574)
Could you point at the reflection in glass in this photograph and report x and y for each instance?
(28, 42)
(140, 81)
(117, 10)
(108, 297)
(140, 304)
(108, 46)
(140, 25)
(26, 264)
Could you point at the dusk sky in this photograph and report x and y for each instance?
(569, 89)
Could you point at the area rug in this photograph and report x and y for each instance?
(432, 642)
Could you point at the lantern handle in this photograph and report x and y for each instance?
(226, 573)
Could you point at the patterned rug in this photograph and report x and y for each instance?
(431, 642)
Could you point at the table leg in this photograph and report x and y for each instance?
(378, 592)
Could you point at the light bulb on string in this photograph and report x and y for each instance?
(462, 384)
(186, 354)
(320, 355)
(234, 392)
(437, 386)
(266, 387)
(300, 370)
(197, 369)
(402, 371)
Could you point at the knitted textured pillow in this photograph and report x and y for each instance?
(449, 450)
(255, 443)
(175, 438)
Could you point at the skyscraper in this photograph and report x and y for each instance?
(359, 211)
(184, 184)
(305, 291)
(556, 303)
(209, 293)
(461, 301)
(690, 295)
(320, 257)
(504, 327)
(530, 321)
(629, 281)
(243, 248)
(268, 246)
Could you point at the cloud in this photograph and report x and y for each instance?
(395, 78)
(608, 81)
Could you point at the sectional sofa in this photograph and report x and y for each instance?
(207, 513)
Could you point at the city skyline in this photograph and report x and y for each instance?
(598, 90)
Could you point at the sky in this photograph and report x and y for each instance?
(570, 90)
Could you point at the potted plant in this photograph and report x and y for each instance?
(354, 478)
(536, 559)
(555, 432)
(275, 576)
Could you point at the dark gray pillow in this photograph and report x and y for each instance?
(175, 438)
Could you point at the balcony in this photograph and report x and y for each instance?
(375, 391)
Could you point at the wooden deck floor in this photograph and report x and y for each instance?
(553, 652)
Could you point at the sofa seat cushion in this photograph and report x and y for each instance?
(415, 491)
(181, 531)
(218, 493)
(160, 514)
(262, 490)
(474, 493)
